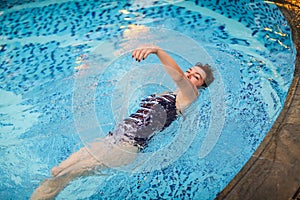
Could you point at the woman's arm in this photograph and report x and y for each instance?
(187, 89)
(169, 63)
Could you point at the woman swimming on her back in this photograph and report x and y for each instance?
(121, 145)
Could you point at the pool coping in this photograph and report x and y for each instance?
(273, 170)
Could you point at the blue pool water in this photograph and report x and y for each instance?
(67, 77)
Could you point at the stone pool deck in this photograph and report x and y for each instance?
(273, 171)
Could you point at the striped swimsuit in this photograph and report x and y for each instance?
(156, 112)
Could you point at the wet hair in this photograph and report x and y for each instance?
(209, 74)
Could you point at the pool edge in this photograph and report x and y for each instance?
(273, 170)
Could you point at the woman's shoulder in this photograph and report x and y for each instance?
(182, 102)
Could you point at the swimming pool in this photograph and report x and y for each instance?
(52, 103)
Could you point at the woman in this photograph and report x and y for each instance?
(121, 146)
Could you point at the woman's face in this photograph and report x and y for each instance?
(196, 75)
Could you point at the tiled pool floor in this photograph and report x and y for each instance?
(273, 172)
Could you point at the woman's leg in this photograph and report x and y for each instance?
(86, 161)
(51, 187)
(70, 161)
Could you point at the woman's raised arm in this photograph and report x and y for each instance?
(188, 90)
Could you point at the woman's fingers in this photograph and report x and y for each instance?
(142, 53)
(138, 54)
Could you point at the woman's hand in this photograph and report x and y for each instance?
(141, 53)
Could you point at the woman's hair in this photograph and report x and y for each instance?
(209, 74)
